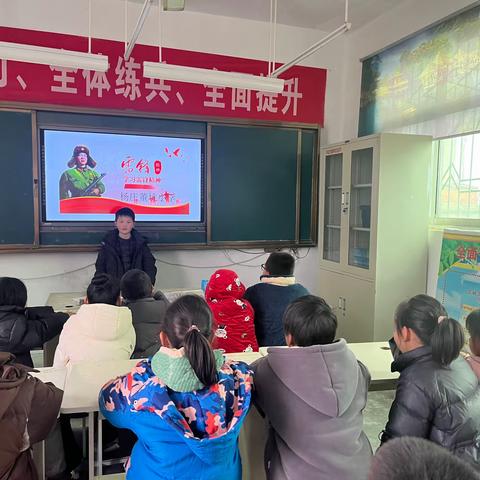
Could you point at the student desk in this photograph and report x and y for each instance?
(82, 382)
(69, 302)
(377, 357)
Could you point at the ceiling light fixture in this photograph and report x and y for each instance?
(53, 56)
(214, 78)
(321, 43)
(206, 76)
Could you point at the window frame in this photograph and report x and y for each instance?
(434, 186)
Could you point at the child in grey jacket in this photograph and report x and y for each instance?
(313, 395)
(148, 311)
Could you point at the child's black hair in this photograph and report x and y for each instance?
(472, 323)
(103, 289)
(280, 264)
(310, 321)
(125, 212)
(410, 458)
(135, 284)
(12, 292)
(427, 317)
(184, 313)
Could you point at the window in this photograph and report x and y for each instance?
(458, 178)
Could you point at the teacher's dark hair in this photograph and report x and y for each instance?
(13, 292)
(427, 317)
(184, 313)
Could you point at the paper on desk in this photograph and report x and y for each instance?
(172, 295)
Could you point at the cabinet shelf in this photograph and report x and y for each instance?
(373, 242)
(360, 229)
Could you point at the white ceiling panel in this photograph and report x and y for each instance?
(323, 15)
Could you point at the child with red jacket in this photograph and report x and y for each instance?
(234, 327)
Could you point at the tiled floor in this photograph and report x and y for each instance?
(375, 414)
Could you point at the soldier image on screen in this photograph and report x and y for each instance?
(80, 180)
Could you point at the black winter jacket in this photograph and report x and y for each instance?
(148, 315)
(109, 258)
(22, 329)
(441, 404)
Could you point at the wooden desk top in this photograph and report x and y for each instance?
(376, 356)
(57, 376)
(82, 381)
(70, 302)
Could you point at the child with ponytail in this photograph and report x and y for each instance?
(186, 404)
(438, 395)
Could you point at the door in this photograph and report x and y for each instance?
(353, 301)
(333, 195)
(360, 214)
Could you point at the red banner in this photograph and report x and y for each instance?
(124, 87)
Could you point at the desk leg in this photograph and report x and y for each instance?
(84, 437)
(91, 445)
(39, 459)
(99, 445)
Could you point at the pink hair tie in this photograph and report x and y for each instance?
(441, 318)
(193, 327)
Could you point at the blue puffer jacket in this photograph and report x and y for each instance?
(181, 435)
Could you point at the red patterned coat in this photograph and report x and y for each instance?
(233, 316)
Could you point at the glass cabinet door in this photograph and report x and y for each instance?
(332, 206)
(360, 207)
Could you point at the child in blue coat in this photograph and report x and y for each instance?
(186, 404)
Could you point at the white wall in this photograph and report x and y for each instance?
(44, 272)
(405, 19)
(221, 35)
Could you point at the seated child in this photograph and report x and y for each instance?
(21, 328)
(148, 311)
(473, 326)
(271, 297)
(186, 404)
(437, 395)
(313, 395)
(232, 315)
(410, 458)
(28, 411)
(100, 330)
(124, 249)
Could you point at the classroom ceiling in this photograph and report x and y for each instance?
(323, 15)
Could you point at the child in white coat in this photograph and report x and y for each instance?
(100, 330)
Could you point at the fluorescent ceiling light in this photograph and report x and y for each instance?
(214, 78)
(53, 56)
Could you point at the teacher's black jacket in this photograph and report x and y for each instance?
(109, 258)
(441, 404)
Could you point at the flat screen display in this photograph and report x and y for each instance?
(88, 176)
